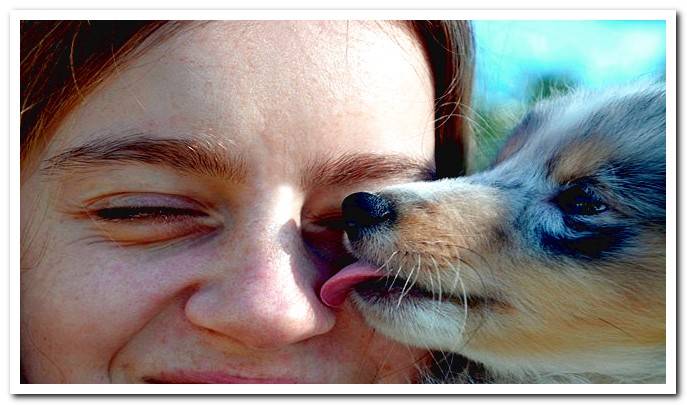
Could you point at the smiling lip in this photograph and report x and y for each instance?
(203, 377)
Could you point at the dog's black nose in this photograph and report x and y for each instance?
(363, 212)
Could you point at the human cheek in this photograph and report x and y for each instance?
(80, 308)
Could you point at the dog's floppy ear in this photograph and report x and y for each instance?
(518, 137)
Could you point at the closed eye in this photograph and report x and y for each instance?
(148, 218)
(131, 213)
(333, 222)
(323, 234)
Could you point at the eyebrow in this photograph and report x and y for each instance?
(201, 157)
(351, 168)
(212, 158)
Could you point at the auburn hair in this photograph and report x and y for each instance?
(62, 61)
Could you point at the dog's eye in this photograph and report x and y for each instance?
(580, 199)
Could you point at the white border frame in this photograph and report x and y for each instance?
(669, 16)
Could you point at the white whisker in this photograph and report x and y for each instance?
(403, 290)
(465, 297)
(436, 266)
(431, 284)
(398, 271)
(388, 260)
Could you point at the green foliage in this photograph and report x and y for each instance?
(490, 127)
(491, 124)
(549, 85)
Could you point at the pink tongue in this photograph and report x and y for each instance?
(335, 290)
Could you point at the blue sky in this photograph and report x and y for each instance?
(511, 54)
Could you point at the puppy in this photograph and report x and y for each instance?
(548, 267)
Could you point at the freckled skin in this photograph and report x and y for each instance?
(243, 301)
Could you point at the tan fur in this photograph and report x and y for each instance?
(621, 311)
(552, 310)
(502, 296)
(580, 159)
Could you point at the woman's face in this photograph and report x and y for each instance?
(185, 214)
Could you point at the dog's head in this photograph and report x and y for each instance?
(552, 261)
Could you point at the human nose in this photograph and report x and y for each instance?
(263, 294)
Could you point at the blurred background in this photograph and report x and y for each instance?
(519, 62)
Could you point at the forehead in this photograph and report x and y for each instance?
(292, 86)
